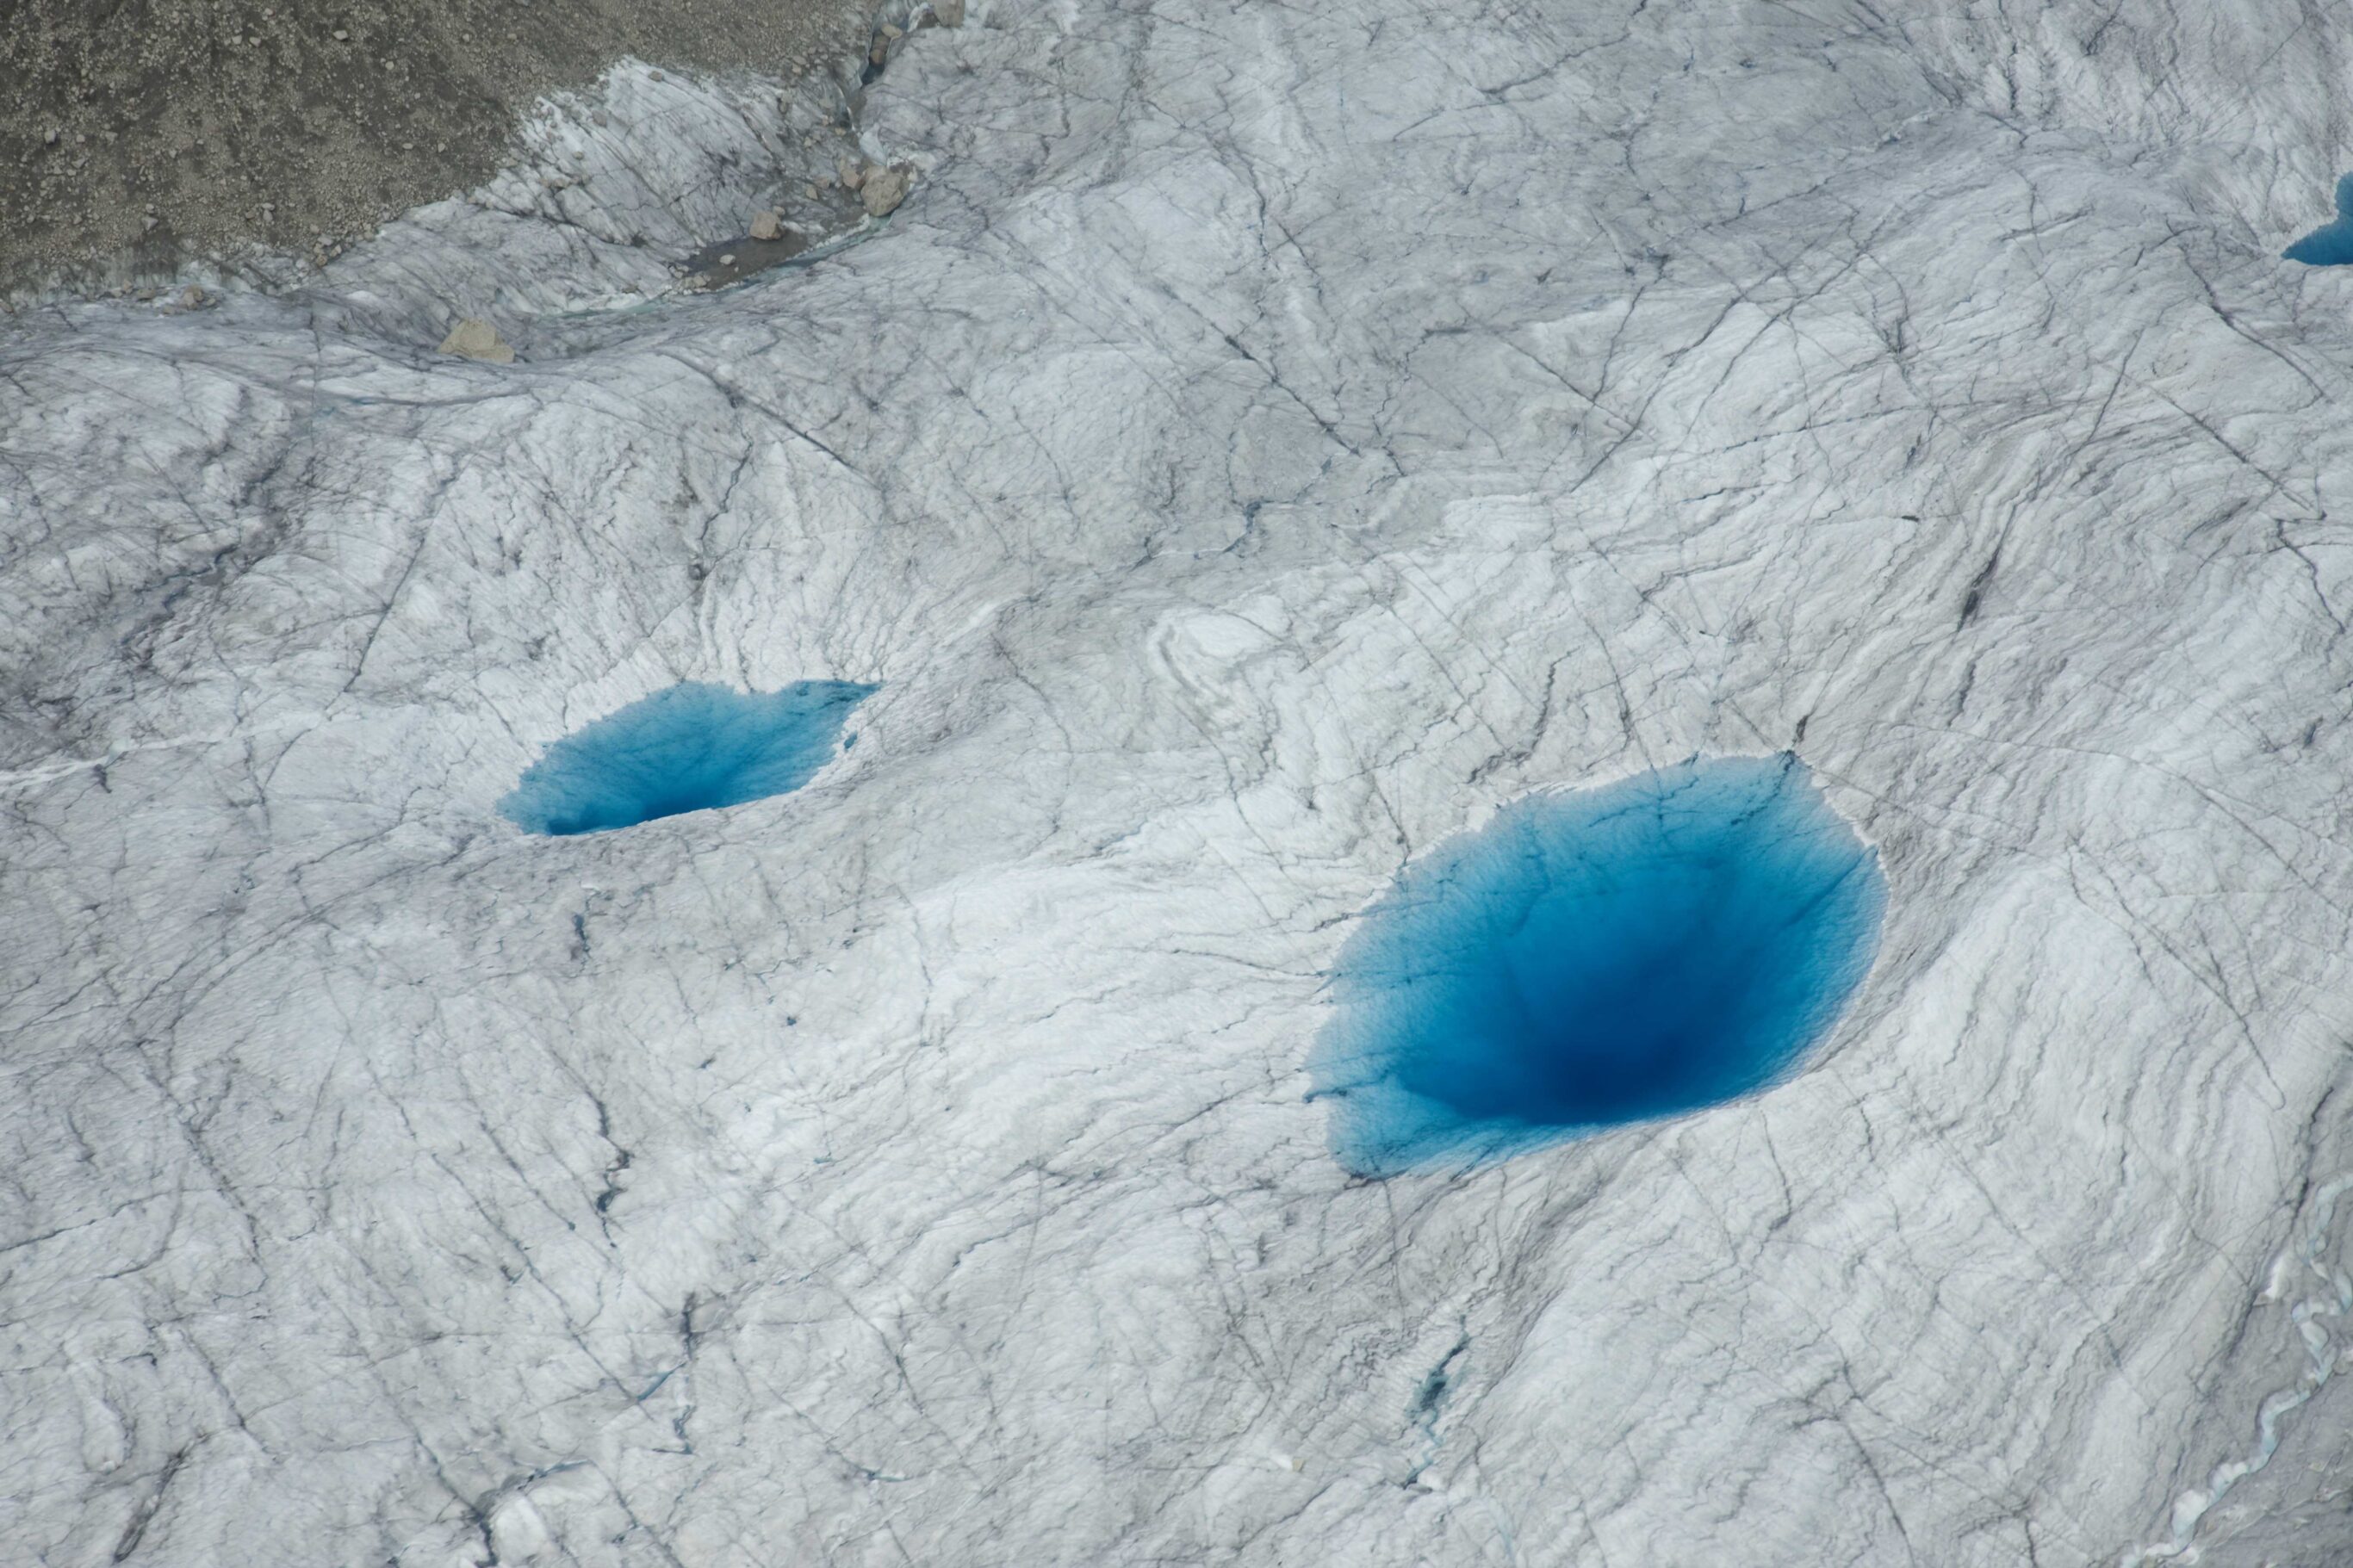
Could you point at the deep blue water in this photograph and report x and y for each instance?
(1595, 958)
(2331, 245)
(689, 748)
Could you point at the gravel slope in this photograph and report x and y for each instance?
(136, 134)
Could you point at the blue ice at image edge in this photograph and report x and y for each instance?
(1596, 958)
(689, 748)
(2331, 245)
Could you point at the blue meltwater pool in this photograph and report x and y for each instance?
(2330, 244)
(1594, 958)
(689, 748)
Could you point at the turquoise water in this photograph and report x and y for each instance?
(2331, 245)
(690, 748)
(1595, 958)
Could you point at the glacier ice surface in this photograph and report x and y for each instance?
(1595, 957)
(1268, 440)
(691, 747)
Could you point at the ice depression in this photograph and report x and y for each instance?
(1597, 957)
(1266, 440)
(2330, 244)
(691, 747)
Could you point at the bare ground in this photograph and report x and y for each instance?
(136, 134)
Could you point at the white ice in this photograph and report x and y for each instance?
(1270, 437)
